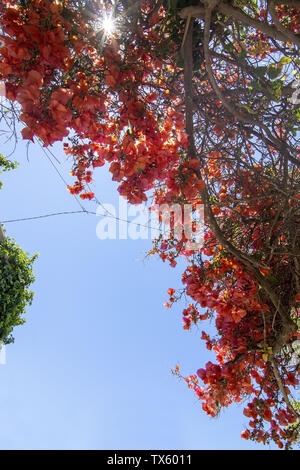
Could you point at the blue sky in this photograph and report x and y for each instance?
(91, 368)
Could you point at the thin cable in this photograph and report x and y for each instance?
(76, 212)
(83, 210)
(61, 177)
(109, 214)
(47, 215)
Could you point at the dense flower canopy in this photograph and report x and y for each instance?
(195, 102)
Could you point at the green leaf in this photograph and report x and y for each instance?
(274, 72)
(260, 71)
(285, 60)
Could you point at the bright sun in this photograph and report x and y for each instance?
(108, 25)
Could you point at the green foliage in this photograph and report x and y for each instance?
(6, 165)
(15, 277)
(177, 5)
(175, 28)
(294, 429)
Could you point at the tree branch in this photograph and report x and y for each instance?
(244, 258)
(228, 10)
(289, 3)
(288, 34)
(188, 85)
(265, 28)
(282, 389)
(2, 236)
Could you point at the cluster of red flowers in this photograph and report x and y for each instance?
(58, 96)
(243, 318)
(110, 97)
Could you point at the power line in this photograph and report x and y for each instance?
(60, 175)
(44, 216)
(82, 211)
(47, 215)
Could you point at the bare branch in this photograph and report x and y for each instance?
(288, 34)
(282, 389)
(270, 31)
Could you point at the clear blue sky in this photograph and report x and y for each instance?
(91, 368)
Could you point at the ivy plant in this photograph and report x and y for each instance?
(16, 276)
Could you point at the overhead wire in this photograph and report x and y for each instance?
(83, 209)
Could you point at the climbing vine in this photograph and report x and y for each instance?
(16, 276)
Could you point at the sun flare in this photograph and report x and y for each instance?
(108, 24)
